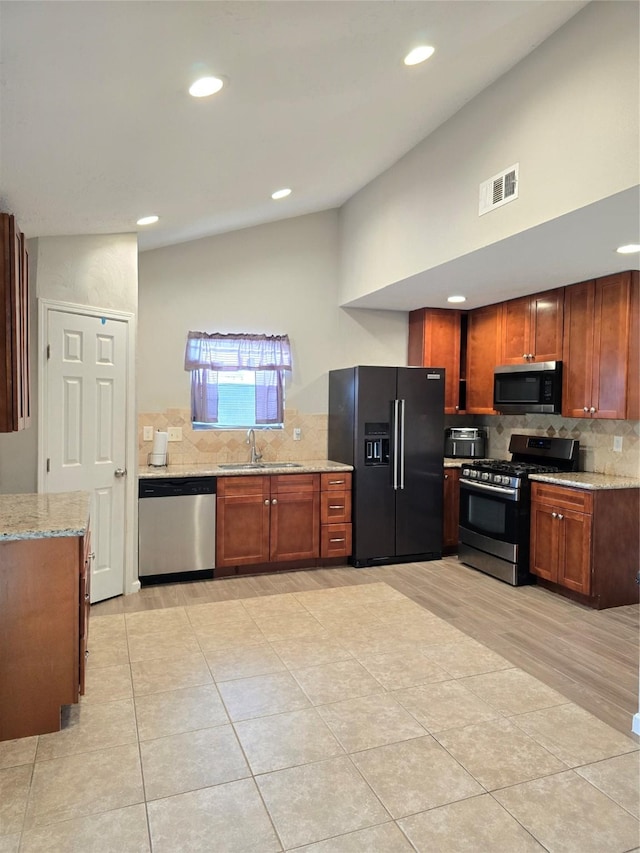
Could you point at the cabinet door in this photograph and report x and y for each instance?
(545, 325)
(451, 509)
(574, 557)
(516, 317)
(483, 353)
(295, 526)
(611, 325)
(577, 351)
(243, 509)
(544, 542)
(434, 341)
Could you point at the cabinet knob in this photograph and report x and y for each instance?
(560, 516)
(524, 355)
(446, 476)
(267, 502)
(531, 356)
(86, 596)
(554, 515)
(457, 408)
(592, 409)
(585, 408)
(274, 501)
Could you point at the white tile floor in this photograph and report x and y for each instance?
(334, 720)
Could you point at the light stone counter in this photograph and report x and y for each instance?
(587, 480)
(450, 462)
(43, 516)
(315, 466)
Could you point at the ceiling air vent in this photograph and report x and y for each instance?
(499, 190)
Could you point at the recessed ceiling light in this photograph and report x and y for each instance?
(629, 250)
(456, 298)
(419, 54)
(147, 220)
(281, 194)
(206, 86)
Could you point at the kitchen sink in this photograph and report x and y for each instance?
(243, 466)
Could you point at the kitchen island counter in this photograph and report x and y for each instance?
(193, 469)
(38, 516)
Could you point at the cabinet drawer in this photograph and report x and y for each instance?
(335, 540)
(335, 507)
(228, 487)
(338, 482)
(294, 483)
(562, 498)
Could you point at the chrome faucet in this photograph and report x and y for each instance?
(251, 441)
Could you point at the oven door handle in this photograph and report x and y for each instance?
(486, 488)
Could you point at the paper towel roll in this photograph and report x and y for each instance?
(158, 455)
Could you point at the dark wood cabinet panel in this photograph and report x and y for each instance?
(484, 350)
(242, 529)
(295, 526)
(451, 516)
(585, 544)
(532, 328)
(435, 341)
(335, 541)
(44, 625)
(601, 372)
(15, 395)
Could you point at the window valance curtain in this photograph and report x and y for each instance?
(237, 352)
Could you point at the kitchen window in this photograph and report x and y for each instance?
(237, 381)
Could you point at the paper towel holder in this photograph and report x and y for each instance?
(151, 464)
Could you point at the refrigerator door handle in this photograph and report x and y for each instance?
(402, 444)
(396, 424)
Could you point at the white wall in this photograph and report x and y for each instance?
(279, 278)
(568, 113)
(98, 271)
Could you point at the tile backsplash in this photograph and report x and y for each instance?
(221, 446)
(230, 445)
(595, 436)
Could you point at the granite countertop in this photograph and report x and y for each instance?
(43, 516)
(314, 466)
(588, 480)
(451, 462)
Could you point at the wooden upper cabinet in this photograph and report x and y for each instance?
(532, 328)
(600, 353)
(484, 350)
(434, 341)
(14, 328)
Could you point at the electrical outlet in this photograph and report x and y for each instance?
(617, 443)
(147, 433)
(175, 434)
(297, 434)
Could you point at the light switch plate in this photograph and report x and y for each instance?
(175, 434)
(147, 433)
(617, 443)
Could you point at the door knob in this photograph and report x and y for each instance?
(120, 472)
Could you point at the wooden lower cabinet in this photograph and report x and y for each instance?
(44, 620)
(282, 521)
(451, 515)
(335, 515)
(584, 543)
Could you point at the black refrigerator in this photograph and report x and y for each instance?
(388, 422)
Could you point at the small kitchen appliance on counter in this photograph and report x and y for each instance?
(495, 501)
(465, 443)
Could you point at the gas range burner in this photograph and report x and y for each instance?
(515, 469)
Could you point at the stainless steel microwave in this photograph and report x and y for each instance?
(522, 388)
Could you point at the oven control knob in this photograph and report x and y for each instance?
(485, 475)
(465, 472)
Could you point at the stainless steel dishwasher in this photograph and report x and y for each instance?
(176, 527)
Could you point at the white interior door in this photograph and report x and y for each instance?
(86, 408)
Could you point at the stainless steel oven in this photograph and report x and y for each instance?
(495, 505)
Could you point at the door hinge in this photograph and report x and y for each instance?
(48, 466)
(48, 351)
